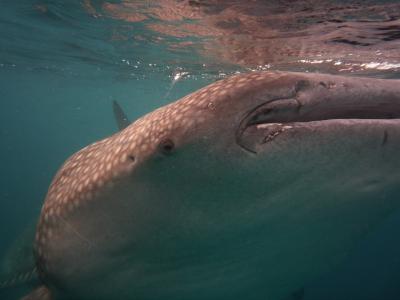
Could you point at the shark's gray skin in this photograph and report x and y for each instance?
(246, 189)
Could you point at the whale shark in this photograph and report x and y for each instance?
(248, 188)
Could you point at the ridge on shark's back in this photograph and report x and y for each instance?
(250, 187)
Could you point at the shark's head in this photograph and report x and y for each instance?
(190, 196)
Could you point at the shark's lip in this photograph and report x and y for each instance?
(277, 116)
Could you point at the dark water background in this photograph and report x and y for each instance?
(63, 62)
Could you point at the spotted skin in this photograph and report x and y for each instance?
(102, 214)
(88, 172)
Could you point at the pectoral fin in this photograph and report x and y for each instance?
(17, 267)
(41, 293)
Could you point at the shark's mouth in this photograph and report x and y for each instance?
(273, 118)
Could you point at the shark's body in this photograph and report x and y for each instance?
(246, 189)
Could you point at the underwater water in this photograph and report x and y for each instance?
(62, 63)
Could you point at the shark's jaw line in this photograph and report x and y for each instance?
(276, 116)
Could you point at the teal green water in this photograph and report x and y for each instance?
(61, 68)
(58, 76)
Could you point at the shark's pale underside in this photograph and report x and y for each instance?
(246, 189)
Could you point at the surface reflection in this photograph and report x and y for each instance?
(340, 36)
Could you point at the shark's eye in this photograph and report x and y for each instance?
(166, 146)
